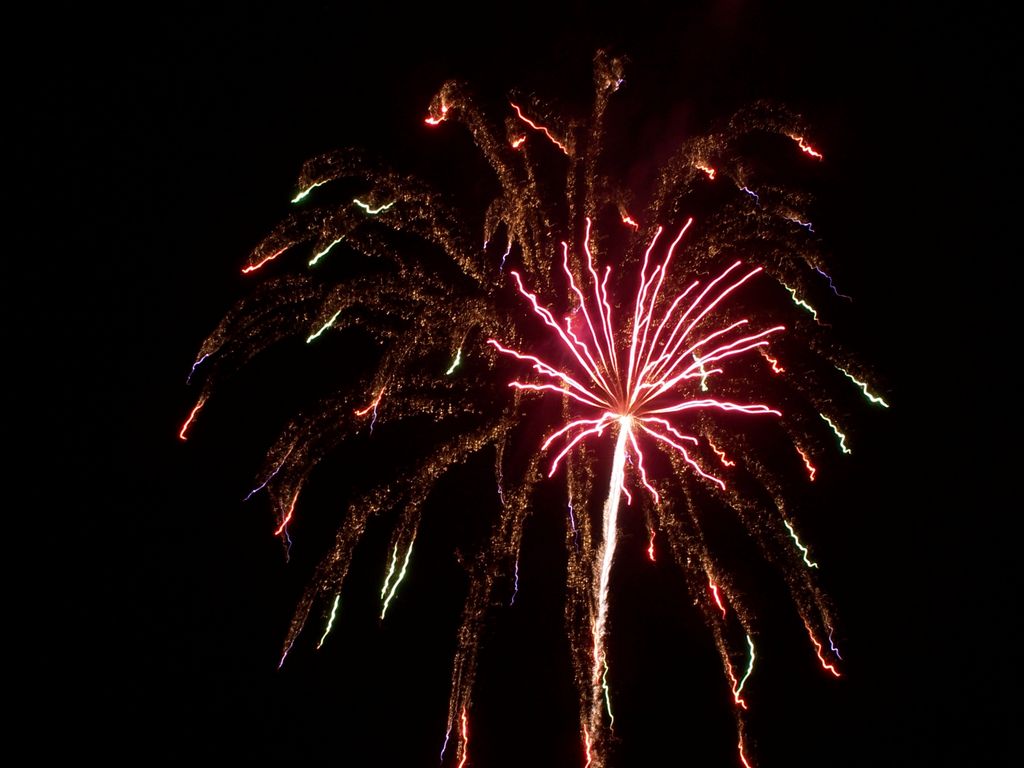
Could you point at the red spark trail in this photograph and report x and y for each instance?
(253, 267)
(191, 417)
(718, 598)
(817, 648)
(431, 120)
(807, 148)
(371, 406)
(811, 469)
(540, 128)
(287, 517)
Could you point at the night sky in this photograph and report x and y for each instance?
(174, 146)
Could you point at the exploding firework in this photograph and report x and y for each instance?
(649, 346)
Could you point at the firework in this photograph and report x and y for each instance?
(657, 345)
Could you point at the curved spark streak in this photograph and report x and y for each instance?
(718, 598)
(737, 689)
(194, 366)
(183, 434)
(840, 435)
(721, 455)
(607, 696)
(253, 267)
(330, 621)
(876, 399)
(807, 148)
(326, 325)
(304, 193)
(288, 517)
(540, 128)
(811, 469)
(455, 362)
(832, 285)
(317, 256)
(371, 210)
(743, 757)
(401, 575)
(817, 649)
(803, 549)
(464, 747)
(833, 645)
(372, 406)
(776, 367)
(800, 302)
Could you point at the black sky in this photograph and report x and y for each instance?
(171, 143)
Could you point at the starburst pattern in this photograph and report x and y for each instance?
(670, 363)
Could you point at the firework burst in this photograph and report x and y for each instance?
(670, 365)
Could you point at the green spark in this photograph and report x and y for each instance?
(876, 399)
(299, 197)
(703, 373)
(455, 364)
(401, 575)
(750, 667)
(368, 209)
(330, 621)
(327, 325)
(317, 257)
(840, 435)
(800, 302)
(607, 695)
(799, 546)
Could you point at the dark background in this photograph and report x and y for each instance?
(171, 143)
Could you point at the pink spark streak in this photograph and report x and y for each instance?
(639, 387)
(540, 128)
(183, 434)
(807, 148)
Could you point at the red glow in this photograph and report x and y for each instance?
(650, 549)
(629, 221)
(807, 148)
(817, 648)
(431, 120)
(811, 469)
(707, 169)
(191, 418)
(718, 601)
(254, 267)
(288, 517)
(587, 745)
(518, 142)
(540, 128)
(371, 406)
